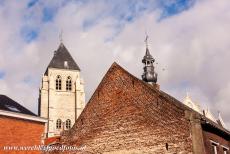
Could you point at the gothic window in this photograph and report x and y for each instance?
(68, 84)
(58, 82)
(58, 124)
(68, 124)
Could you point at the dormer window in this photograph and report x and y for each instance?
(58, 82)
(66, 65)
(68, 84)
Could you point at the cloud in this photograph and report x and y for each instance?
(189, 41)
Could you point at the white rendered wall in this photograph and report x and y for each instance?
(61, 104)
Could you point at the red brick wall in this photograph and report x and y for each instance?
(217, 138)
(125, 115)
(18, 132)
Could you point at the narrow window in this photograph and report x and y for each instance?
(225, 149)
(68, 124)
(58, 124)
(214, 148)
(58, 82)
(68, 84)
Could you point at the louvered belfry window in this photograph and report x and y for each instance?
(58, 82)
(68, 124)
(68, 84)
(58, 124)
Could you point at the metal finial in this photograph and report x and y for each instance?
(146, 40)
(60, 36)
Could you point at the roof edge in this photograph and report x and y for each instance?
(23, 116)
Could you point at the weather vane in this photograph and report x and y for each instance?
(60, 36)
(146, 39)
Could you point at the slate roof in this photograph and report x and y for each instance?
(7, 104)
(60, 56)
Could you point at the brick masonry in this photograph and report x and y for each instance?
(218, 139)
(126, 115)
(18, 132)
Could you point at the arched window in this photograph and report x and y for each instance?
(58, 82)
(68, 84)
(58, 124)
(68, 124)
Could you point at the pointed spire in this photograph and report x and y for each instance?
(221, 120)
(147, 53)
(190, 103)
(209, 115)
(187, 94)
(149, 74)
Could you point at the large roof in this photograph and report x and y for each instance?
(7, 104)
(62, 60)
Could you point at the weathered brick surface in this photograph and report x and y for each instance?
(125, 115)
(18, 132)
(217, 138)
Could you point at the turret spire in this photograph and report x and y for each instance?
(149, 74)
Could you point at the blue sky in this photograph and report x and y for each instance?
(2, 74)
(188, 38)
(121, 11)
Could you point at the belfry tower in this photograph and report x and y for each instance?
(61, 95)
(149, 74)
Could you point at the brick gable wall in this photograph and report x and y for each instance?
(126, 116)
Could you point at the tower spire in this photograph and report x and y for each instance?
(149, 74)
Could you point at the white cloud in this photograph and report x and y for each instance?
(193, 47)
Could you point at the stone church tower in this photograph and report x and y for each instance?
(61, 95)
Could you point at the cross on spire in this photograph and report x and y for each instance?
(60, 36)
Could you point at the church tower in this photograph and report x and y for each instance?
(149, 74)
(61, 95)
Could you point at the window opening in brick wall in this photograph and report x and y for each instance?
(214, 146)
(225, 149)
